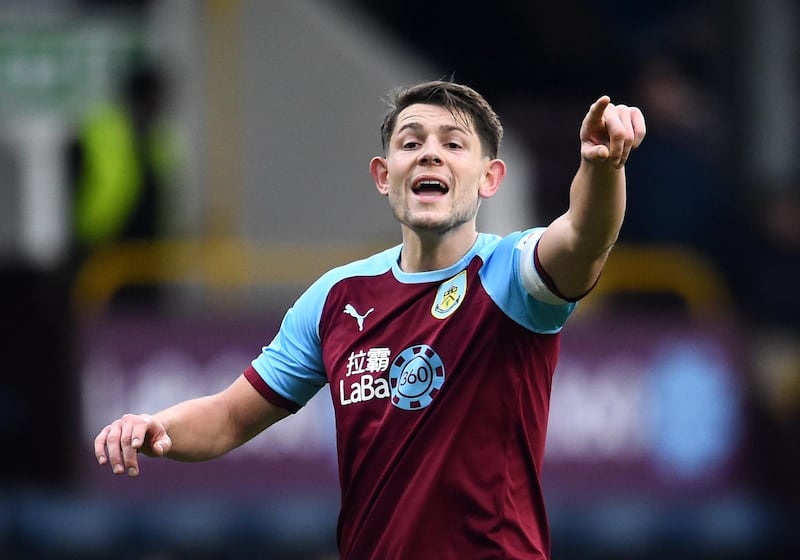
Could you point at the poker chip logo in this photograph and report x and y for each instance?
(415, 376)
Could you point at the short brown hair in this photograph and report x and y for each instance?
(457, 98)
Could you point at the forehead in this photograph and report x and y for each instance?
(433, 116)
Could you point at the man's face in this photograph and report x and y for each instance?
(435, 172)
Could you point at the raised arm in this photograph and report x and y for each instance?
(193, 430)
(574, 248)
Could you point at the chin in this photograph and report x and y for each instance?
(428, 221)
(431, 226)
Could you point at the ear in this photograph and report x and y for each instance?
(380, 174)
(495, 172)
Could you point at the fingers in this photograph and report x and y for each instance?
(100, 445)
(597, 109)
(611, 131)
(129, 453)
(118, 444)
(620, 133)
(138, 434)
(108, 446)
(639, 127)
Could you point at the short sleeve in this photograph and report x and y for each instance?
(526, 300)
(291, 365)
(532, 276)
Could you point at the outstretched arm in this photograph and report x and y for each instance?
(194, 430)
(574, 248)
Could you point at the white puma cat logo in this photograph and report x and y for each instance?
(350, 310)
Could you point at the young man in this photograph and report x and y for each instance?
(439, 352)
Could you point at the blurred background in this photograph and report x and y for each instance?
(175, 173)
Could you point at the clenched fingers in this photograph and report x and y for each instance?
(609, 132)
(620, 133)
(625, 128)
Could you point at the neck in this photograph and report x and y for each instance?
(425, 251)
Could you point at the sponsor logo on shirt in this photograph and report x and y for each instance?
(366, 386)
(415, 377)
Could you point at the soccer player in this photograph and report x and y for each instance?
(439, 352)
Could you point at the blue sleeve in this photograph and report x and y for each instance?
(502, 279)
(292, 363)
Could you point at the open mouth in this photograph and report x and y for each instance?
(430, 187)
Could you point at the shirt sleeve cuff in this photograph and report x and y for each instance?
(535, 278)
(268, 392)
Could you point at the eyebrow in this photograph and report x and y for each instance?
(416, 126)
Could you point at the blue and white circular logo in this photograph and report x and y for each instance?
(694, 410)
(416, 375)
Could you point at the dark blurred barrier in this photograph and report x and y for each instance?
(38, 387)
(43, 526)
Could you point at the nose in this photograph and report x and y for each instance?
(430, 155)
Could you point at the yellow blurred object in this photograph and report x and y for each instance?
(661, 269)
(232, 264)
(221, 264)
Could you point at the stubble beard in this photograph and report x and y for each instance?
(439, 224)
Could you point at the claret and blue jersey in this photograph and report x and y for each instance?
(441, 385)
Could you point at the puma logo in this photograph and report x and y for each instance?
(350, 310)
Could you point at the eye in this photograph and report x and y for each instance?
(410, 144)
(453, 145)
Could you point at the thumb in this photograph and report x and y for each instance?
(596, 153)
(162, 445)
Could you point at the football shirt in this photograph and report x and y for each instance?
(441, 385)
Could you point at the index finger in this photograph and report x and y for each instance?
(100, 446)
(597, 108)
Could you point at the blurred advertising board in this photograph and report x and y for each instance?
(641, 406)
(646, 406)
(133, 363)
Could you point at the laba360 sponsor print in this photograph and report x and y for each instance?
(415, 377)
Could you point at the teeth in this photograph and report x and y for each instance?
(430, 184)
